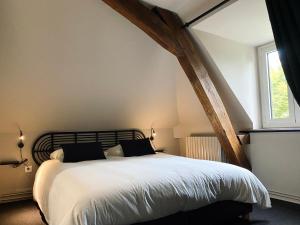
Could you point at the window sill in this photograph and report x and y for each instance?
(272, 130)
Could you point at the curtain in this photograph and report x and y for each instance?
(285, 20)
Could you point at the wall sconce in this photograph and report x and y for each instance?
(153, 134)
(21, 139)
(21, 145)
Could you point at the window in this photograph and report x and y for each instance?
(279, 108)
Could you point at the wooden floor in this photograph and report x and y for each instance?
(20, 213)
(282, 213)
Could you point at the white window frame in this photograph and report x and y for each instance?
(294, 112)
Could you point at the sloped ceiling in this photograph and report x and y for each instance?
(243, 21)
(187, 9)
(78, 65)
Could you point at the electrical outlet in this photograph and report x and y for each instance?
(28, 169)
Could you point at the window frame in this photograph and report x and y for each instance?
(266, 109)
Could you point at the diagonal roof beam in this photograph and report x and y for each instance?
(191, 62)
(166, 28)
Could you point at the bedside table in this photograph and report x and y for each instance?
(14, 164)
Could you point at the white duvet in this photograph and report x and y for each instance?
(122, 191)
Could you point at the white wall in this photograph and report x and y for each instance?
(78, 65)
(238, 64)
(274, 156)
(275, 160)
(76, 60)
(233, 69)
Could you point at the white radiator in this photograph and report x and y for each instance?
(207, 148)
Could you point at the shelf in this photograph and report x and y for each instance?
(13, 163)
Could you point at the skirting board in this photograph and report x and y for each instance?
(284, 197)
(15, 197)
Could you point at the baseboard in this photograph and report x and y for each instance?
(285, 197)
(15, 197)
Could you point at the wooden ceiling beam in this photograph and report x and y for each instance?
(146, 19)
(160, 21)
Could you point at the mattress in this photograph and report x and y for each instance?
(123, 191)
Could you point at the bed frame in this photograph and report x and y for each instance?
(49, 142)
(209, 215)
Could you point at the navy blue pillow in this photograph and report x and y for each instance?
(137, 147)
(83, 152)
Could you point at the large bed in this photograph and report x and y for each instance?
(150, 189)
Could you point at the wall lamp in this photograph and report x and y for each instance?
(21, 139)
(153, 134)
(21, 145)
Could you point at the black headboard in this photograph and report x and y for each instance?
(47, 143)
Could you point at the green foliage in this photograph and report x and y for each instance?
(279, 93)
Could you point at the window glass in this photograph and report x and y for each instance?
(279, 97)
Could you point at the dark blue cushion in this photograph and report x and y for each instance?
(82, 152)
(137, 147)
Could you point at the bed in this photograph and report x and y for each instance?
(151, 189)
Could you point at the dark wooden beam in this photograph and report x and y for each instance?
(244, 139)
(144, 18)
(192, 63)
(161, 21)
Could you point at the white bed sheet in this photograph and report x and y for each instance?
(122, 191)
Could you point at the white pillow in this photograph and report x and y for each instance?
(114, 151)
(58, 154)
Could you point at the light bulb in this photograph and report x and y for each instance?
(21, 138)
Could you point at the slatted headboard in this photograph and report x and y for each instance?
(47, 143)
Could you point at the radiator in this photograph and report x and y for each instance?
(207, 148)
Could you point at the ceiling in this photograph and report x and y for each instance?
(187, 9)
(243, 21)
